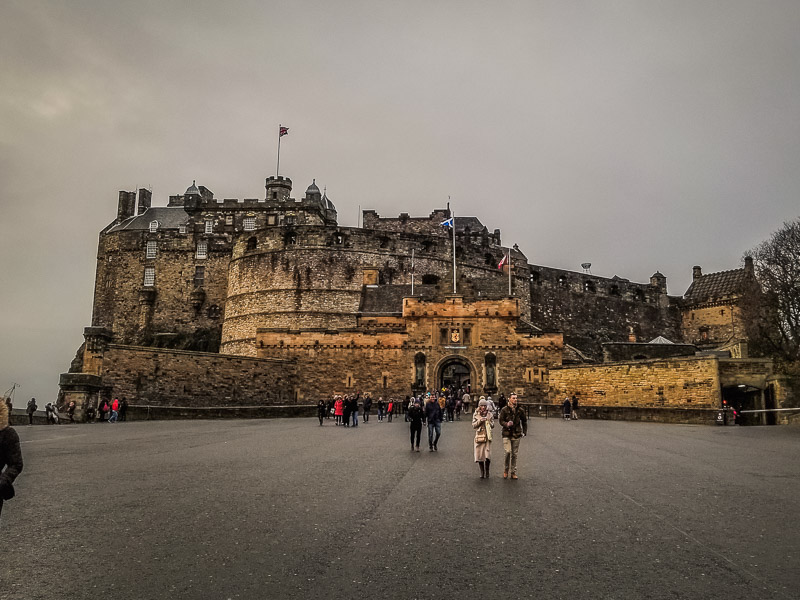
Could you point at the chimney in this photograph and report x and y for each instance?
(697, 273)
(126, 206)
(145, 199)
(748, 265)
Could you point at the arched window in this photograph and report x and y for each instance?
(252, 243)
(153, 226)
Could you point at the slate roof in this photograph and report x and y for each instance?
(168, 217)
(473, 223)
(716, 286)
(388, 299)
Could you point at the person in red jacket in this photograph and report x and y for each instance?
(338, 409)
(114, 411)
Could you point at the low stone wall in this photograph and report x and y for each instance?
(173, 378)
(151, 413)
(695, 416)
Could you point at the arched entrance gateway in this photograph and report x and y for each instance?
(455, 371)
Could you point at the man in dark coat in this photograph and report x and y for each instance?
(10, 456)
(31, 409)
(416, 416)
(433, 415)
(574, 407)
(515, 427)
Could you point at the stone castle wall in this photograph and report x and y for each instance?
(682, 383)
(158, 377)
(592, 310)
(712, 324)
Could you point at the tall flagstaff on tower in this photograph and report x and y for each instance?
(282, 131)
(451, 223)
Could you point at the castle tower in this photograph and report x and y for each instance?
(278, 189)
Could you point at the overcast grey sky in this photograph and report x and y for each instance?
(636, 135)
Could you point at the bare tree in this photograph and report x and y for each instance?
(772, 314)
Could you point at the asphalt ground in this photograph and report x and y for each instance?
(288, 509)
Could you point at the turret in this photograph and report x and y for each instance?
(658, 281)
(278, 189)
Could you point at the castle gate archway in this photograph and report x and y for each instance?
(456, 371)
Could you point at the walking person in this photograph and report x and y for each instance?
(390, 410)
(30, 409)
(347, 408)
(367, 406)
(380, 408)
(10, 456)
(465, 399)
(114, 411)
(354, 408)
(574, 407)
(103, 410)
(483, 423)
(515, 427)
(566, 408)
(321, 408)
(433, 416)
(416, 416)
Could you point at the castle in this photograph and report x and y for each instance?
(246, 306)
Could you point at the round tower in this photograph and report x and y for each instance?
(278, 189)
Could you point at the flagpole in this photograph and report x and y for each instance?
(452, 216)
(509, 272)
(412, 271)
(278, 166)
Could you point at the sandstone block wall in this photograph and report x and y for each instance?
(678, 383)
(712, 325)
(194, 379)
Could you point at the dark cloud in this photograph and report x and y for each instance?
(639, 136)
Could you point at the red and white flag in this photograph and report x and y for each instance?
(502, 262)
(282, 131)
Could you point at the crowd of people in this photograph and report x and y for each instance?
(431, 409)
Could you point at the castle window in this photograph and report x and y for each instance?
(429, 279)
(443, 336)
(213, 313)
(209, 226)
(152, 248)
(562, 281)
(722, 313)
(274, 195)
(638, 295)
(199, 276)
(467, 337)
(613, 290)
(153, 226)
(249, 223)
(338, 238)
(588, 286)
(229, 220)
(289, 220)
(252, 243)
(182, 229)
(149, 276)
(272, 219)
(202, 249)
(535, 277)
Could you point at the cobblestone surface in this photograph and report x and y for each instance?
(289, 509)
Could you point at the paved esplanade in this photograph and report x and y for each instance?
(288, 509)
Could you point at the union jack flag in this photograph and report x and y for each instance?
(282, 131)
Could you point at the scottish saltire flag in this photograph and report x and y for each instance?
(282, 131)
(447, 222)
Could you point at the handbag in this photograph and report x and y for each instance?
(480, 435)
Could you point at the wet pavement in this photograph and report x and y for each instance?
(288, 509)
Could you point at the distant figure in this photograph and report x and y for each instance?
(367, 406)
(90, 413)
(574, 407)
(51, 413)
(10, 456)
(380, 408)
(338, 409)
(114, 411)
(567, 409)
(321, 411)
(31, 408)
(390, 410)
(465, 400)
(123, 410)
(103, 410)
(71, 411)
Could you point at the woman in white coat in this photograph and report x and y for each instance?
(483, 423)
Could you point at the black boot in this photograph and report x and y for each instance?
(488, 461)
(483, 471)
